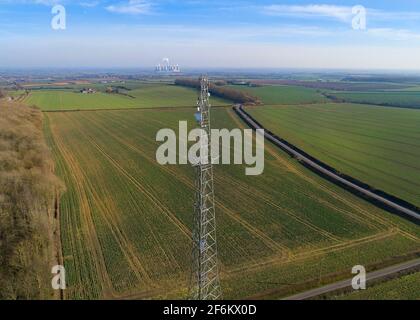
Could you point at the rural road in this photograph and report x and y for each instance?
(347, 283)
(329, 173)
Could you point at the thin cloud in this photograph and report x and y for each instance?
(381, 15)
(89, 4)
(86, 3)
(394, 34)
(41, 2)
(131, 7)
(341, 13)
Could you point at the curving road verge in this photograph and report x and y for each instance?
(377, 197)
(376, 275)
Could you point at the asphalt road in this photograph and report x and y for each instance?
(347, 283)
(302, 158)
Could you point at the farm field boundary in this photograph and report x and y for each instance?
(372, 276)
(136, 108)
(303, 231)
(123, 98)
(377, 197)
(395, 99)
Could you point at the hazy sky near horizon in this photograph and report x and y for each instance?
(199, 33)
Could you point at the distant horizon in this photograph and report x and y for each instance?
(150, 69)
(305, 34)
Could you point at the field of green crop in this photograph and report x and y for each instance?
(126, 221)
(379, 146)
(404, 99)
(145, 96)
(169, 95)
(14, 93)
(406, 287)
(276, 94)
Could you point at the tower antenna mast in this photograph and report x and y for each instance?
(205, 283)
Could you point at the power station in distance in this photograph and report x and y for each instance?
(166, 67)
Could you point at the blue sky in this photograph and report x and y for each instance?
(199, 33)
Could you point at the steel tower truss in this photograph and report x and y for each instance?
(205, 283)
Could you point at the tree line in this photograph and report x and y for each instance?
(27, 191)
(221, 91)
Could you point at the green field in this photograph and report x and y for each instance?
(404, 99)
(14, 93)
(144, 96)
(406, 287)
(379, 146)
(274, 94)
(126, 221)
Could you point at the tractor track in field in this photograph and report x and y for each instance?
(247, 188)
(256, 232)
(274, 261)
(294, 121)
(170, 215)
(253, 230)
(391, 203)
(190, 184)
(128, 250)
(365, 169)
(186, 181)
(89, 231)
(338, 179)
(292, 168)
(113, 223)
(287, 212)
(278, 259)
(168, 108)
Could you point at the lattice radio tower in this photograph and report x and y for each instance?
(205, 283)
